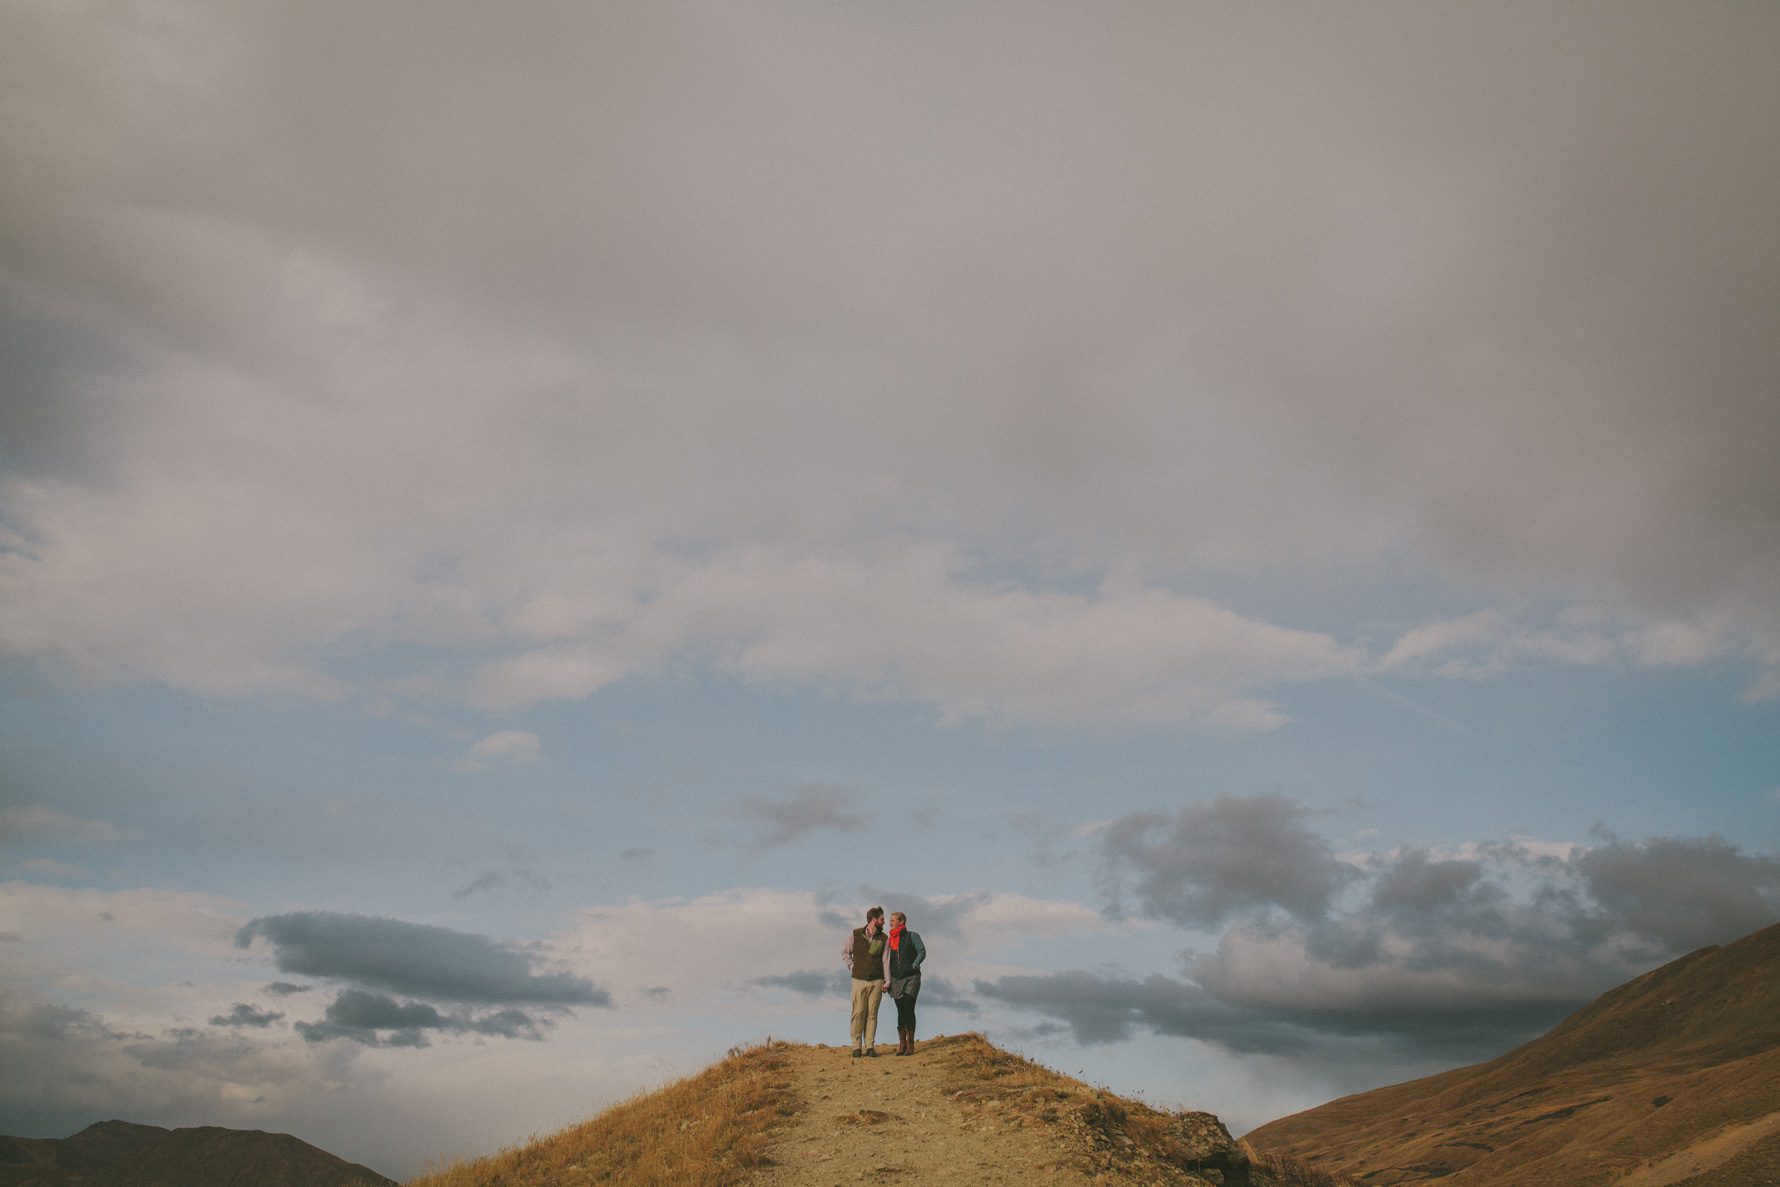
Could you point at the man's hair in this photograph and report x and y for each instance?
(874, 913)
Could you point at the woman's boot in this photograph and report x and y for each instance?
(910, 1042)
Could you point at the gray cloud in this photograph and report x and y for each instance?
(1410, 283)
(1457, 1026)
(286, 988)
(492, 880)
(1681, 892)
(413, 958)
(1215, 859)
(1422, 957)
(504, 866)
(939, 991)
(377, 1020)
(47, 1020)
(65, 1064)
(28, 823)
(809, 982)
(1417, 884)
(814, 807)
(928, 916)
(246, 1015)
(935, 991)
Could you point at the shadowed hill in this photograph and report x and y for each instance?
(960, 1113)
(1673, 1078)
(120, 1154)
(56, 1160)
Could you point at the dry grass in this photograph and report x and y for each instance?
(1119, 1139)
(1282, 1170)
(708, 1130)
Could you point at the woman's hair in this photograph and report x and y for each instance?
(899, 915)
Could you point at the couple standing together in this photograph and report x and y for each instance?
(883, 962)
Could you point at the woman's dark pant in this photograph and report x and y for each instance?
(905, 1008)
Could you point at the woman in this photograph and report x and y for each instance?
(904, 964)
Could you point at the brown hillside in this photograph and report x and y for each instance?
(119, 1154)
(43, 1161)
(960, 1112)
(1673, 1078)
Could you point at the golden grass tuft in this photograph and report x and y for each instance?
(1282, 1170)
(1121, 1140)
(708, 1130)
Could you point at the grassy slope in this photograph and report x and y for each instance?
(708, 1130)
(1662, 1063)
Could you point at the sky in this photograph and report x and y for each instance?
(1257, 526)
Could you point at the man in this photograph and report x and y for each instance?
(865, 952)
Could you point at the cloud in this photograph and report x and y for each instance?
(106, 999)
(518, 747)
(516, 868)
(811, 808)
(1215, 859)
(1488, 644)
(246, 1015)
(808, 982)
(833, 986)
(72, 938)
(665, 943)
(34, 823)
(973, 430)
(414, 958)
(67, 1065)
(909, 622)
(982, 912)
(942, 915)
(48, 1021)
(1414, 955)
(48, 868)
(492, 880)
(377, 1020)
(1441, 1022)
(1682, 892)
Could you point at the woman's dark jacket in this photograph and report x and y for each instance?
(905, 963)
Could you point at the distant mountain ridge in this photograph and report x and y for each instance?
(122, 1154)
(1670, 1079)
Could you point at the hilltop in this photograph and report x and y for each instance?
(122, 1154)
(960, 1113)
(1671, 1080)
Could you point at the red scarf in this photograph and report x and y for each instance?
(896, 936)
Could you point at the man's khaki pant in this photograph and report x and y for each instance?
(866, 996)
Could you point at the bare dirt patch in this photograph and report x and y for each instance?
(961, 1113)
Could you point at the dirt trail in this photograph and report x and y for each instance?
(902, 1120)
(939, 1117)
(1704, 1157)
